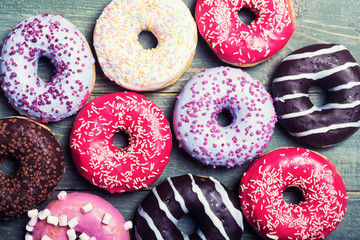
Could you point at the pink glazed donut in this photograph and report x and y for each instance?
(200, 102)
(77, 216)
(116, 169)
(55, 38)
(322, 205)
(240, 44)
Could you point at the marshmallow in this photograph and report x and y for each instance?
(32, 213)
(44, 214)
(71, 234)
(73, 222)
(62, 195)
(86, 208)
(106, 218)
(84, 236)
(63, 220)
(53, 220)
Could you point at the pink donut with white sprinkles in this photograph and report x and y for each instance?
(322, 193)
(241, 44)
(55, 38)
(121, 169)
(201, 101)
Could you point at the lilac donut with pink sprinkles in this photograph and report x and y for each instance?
(55, 38)
(201, 101)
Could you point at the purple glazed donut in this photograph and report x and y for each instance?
(200, 102)
(55, 38)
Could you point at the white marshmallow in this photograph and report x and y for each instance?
(62, 195)
(44, 214)
(86, 208)
(71, 234)
(32, 213)
(73, 222)
(63, 220)
(53, 220)
(106, 218)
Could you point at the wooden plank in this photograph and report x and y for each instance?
(320, 21)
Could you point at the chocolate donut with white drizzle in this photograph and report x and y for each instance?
(208, 201)
(332, 67)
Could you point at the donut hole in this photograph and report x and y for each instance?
(45, 69)
(187, 224)
(225, 117)
(147, 39)
(8, 166)
(121, 140)
(293, 195)
(317, 95)
(246, 15)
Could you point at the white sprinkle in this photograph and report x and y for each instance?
(272, 236)
(84, 236)
(44, 214)
(86, 208)
(62, 195)
(71, 234)
(128, 225)
(73, 222)
(106, 218)
(32, 213)
(53, 220)
(63, 220)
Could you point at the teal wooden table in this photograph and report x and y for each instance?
(320, 21)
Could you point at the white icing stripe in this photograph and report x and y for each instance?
(207, 208)
(325, 107)
(150, 222)
(290, 96)
(181, 201)
(326, 129)
(318, 75)
(164, 208)
(185, 236)
(344, 86)
(178, 197)
(225, 197)
(341, 105)
(201, 234)
(299, 114)
(333, 49)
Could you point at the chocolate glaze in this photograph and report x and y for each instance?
(333, 122)
(40, 159)
(217, 214)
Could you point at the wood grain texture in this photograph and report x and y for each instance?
(320, 21)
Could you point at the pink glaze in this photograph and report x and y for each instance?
(200, 102)
(318, 213)
(240, 44)
(55, 38)
(119, 170)
(90, 223)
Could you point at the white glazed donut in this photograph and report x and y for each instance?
(204, 97)
(56, 38)
(122, 57)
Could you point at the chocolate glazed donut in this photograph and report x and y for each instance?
(40, 166)
(332, 67)
(209, 202)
